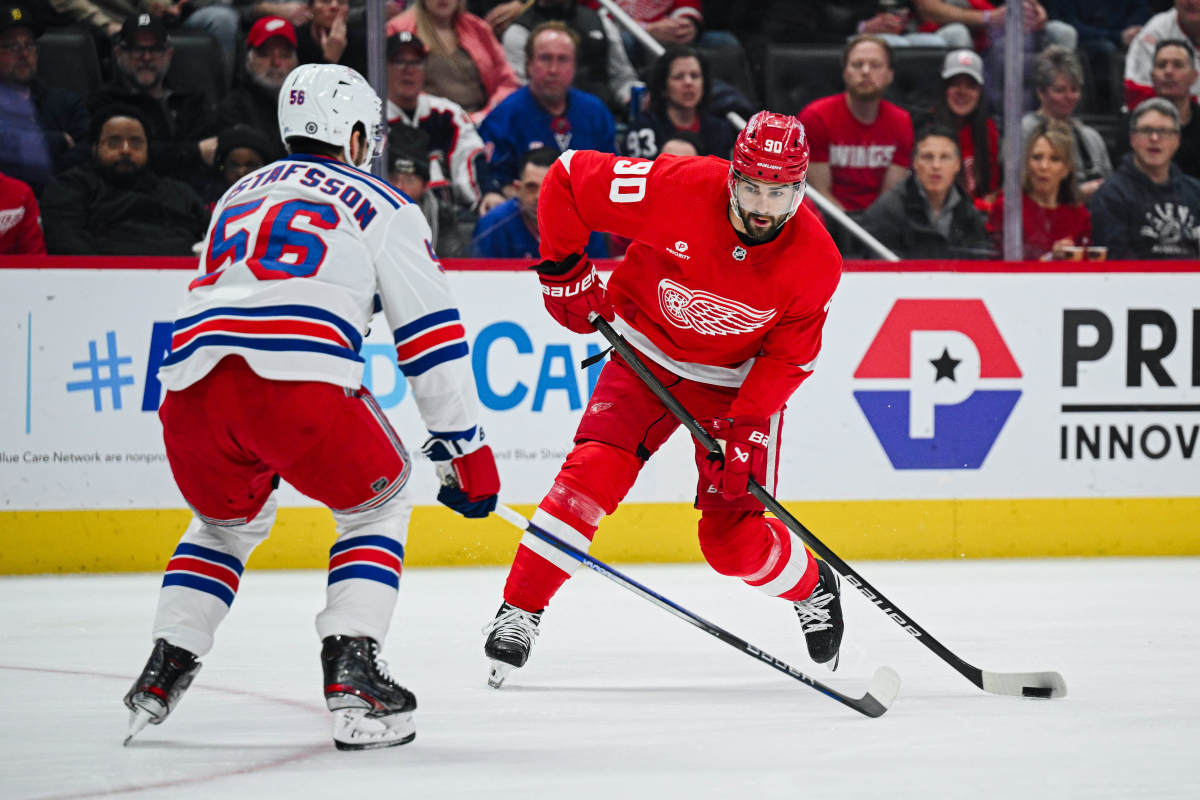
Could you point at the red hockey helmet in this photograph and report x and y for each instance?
(772, 147)
(767, 171)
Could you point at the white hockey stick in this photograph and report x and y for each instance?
(1021, 684)
(885, 684)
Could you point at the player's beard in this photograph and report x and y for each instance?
(122, 173)
(757, 233)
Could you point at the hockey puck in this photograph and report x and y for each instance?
(1035, 691)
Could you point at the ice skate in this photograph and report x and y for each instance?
(510, 639)
(167, 675)
(369, 708)
(821, 617)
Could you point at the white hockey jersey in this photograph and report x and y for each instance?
(457, 150)
(299, 255)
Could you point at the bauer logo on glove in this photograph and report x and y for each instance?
(572, 290)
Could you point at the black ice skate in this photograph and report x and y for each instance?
(369, 708)
(167, 675)
(510, 638)
(821, 617)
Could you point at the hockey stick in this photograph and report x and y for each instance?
(885, 683)
(1020, 684)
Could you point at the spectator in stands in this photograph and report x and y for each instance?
(680, 86)
(1053, 218)
(682, 143)
(241, 149)
(117, 205)
(1058, 80)
(408, 171)
(1149, 208)
(548, 112)
(497, 13)
(511, 230)
(330, 37)
(1180, 22)
(254, 100)
(962, 107)
(20, 220)
(466, 63)
(1173, 75)
(456, 154)
(860, 144)
(986, 23)
(217, 17)
(602, 68)
(182, 126)
(61, 115)
(1105, 28)
(668, 21)
(895, 23)
(927, 215)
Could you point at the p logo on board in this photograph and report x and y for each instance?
(937, 384)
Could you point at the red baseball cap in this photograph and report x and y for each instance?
(267, 28)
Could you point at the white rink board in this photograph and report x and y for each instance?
(57, 451)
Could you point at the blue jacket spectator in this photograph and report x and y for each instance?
(510, 230)
(547, 112)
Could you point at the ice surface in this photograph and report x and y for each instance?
(621, 699)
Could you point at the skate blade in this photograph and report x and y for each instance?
(354, 729)
(138, 718)
(498, 673)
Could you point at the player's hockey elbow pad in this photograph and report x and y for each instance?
(571, 290)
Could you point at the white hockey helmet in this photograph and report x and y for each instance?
(324, 102)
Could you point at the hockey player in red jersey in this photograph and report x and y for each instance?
(724, 292)
(264, 380)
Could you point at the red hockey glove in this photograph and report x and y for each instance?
(746, 438)
(470, 482)
(571, 290)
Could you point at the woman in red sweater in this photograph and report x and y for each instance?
(1053, 217)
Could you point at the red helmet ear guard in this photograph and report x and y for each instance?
(772, 147)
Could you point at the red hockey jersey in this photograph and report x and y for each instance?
(690, 294)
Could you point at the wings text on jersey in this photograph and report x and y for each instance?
(708, 313)
(283, 327)
(430, 340)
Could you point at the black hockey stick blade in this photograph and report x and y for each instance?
(1019, 684)
(885, 683)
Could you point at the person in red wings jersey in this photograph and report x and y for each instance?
(724, 292)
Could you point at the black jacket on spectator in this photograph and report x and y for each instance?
(250, 104)
(174, 127)
(354, 56)
(83, 214)
(1136, 218)
(899, 219)
(1187, 157)
(61, 113)
(649, 132)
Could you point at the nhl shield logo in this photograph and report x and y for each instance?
(739, 253)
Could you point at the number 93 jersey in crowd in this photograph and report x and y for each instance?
(299, 255)
(691, 294)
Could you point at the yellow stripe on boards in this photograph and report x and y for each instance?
(142, 540)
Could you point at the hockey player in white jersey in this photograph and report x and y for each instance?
(264, 381)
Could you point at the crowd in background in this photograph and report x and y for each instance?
(482, 95)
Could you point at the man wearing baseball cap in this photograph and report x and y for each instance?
(456, 150)
(181, 125)
(254, 99)
(57, 116)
